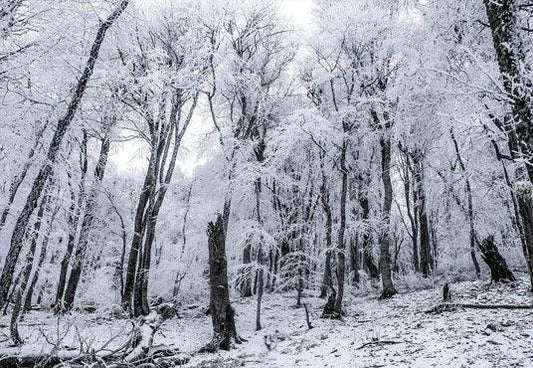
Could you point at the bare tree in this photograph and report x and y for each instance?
(53, 150)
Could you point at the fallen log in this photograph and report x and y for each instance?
(379, 342)
(448, 307)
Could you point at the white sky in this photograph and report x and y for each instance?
(131, 158)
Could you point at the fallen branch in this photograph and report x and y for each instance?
(448, 307)
(379, 342)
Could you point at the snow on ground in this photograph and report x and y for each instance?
(461, 338)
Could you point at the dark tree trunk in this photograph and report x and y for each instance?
(17, 181)
(53, 150)
(222, 313)
(502, 16)
(499, 272)
(74, 214)
(368, 259)
(86, 226)
(385, 259)
(470, 210)
(26, 272)
(411, 212)
(341, 255)
(525, 206)
(425, 245)
(42, 257)
(324, 196)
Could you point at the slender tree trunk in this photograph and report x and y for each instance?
(86, 226)
(26, 272)
(470, 210)
(385, 259)
(525, 205)
(326, 280)
(410, 211)
(75, 211)
(53, 150)
(17, 181)
(42, 257)
(341, 255)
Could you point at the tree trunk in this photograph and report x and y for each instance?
(86, 226)
(74, 215)
(53, 150)
(17, 181)
(411, 212)
(499, 272)
(222, 313)
(42, 257)
(324, 196)
(341, 255)
(368, 259)
(385, 259)
(502, 17)
(26, 272)
(525, 205)
(425, 246)
(470, 213)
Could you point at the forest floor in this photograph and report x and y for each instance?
(373, 333)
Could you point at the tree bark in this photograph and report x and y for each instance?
(426, 263)
(42, 257)
(86, 226)
(74, 214)
(470, 210)
(26, 272)
(341, 255)
(502, 17)
(53, 150)
(499, 272)
(17, 181)
(385, 259)
(222, 313)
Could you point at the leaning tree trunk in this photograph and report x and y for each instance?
(46, 170)
(222, 313)
(17, 181)
(385, 259)
(86, 226)
(499, 272)
(26, 272)
(502, 17)
(42, 257)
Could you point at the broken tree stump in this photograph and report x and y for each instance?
(499, 271)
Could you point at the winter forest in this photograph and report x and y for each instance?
(266, 183)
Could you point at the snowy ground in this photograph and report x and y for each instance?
(461, 338)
